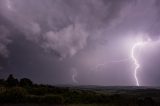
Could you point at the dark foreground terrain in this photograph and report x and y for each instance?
(23, 92)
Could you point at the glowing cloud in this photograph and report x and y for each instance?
(9, 5)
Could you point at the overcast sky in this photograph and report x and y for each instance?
(81, 42)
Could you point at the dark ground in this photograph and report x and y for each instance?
(23, 92)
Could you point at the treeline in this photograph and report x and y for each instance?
(24, 90)
(11, 82)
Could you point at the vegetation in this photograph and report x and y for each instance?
(24, 91)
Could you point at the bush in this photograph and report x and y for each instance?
(33, 99)
(13, 95)
(39, 91)
(2, 82)
(11, 81)
(47, 99)
(52, 99)
(25, 82)
(2, 90)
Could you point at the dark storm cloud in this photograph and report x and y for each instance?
(154, 26)
(69, 27)
(4, 40)
(66, 26)
(63, 26)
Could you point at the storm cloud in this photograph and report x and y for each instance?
(81, 33)
(63, 26)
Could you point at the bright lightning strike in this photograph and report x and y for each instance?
(137, 65)
(132, 57)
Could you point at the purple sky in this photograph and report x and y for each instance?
(86, 42)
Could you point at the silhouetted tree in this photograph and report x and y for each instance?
(11, 81)
(25, 82)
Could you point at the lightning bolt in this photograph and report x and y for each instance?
(99, 66)
(137, 65)
(74, 75)
(119, 61)
(133, 57)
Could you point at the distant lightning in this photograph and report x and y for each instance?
(74, 75)
(99, 66)
(119, 61)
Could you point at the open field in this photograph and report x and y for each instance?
(79, 96)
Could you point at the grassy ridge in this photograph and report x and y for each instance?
(24, 91)
(43, 94)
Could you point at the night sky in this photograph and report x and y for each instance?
(80, 42)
